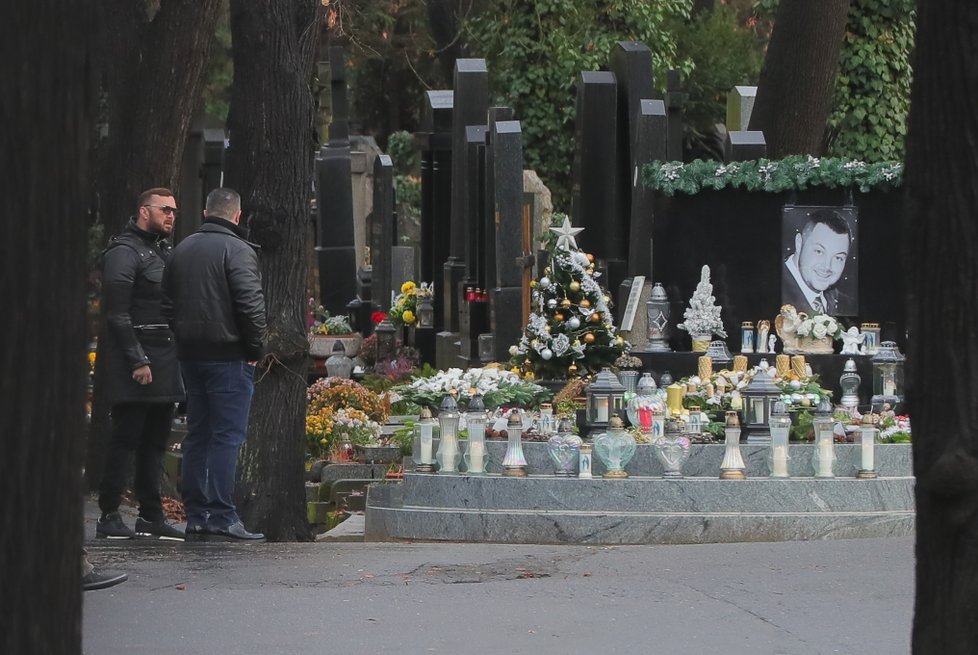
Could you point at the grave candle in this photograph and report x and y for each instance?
(867, 433)
(585, 461)
(782, 364)
(477, 456)
(824, 458)
(645, 418)
(704, 367)
(602, 409)
(798, 365)
(740, 363)
(779, 468)
(746, 337)
(674, 398)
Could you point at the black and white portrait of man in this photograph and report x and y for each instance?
(820, 273)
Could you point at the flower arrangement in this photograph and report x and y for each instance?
(321, 323)
(332, 400)
(702, 317)
(819, 326)
(404, 309)
(497, 387)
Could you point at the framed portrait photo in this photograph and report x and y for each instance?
(819, 259)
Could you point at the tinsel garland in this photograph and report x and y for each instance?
(792, 173)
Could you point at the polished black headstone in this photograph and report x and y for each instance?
(744, 146)
(675, 99)
(595, 180)
(382, 229)
(495, 115)
(650, 145)
(334, 200)
(434, 138)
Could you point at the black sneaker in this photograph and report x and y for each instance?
(111, 526)
(157, 530)
(96, 579)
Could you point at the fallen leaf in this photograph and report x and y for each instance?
(181, 587)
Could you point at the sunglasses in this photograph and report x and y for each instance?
(166, 209)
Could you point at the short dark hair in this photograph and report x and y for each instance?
(830, 219)
(223, 203)
(147, 195)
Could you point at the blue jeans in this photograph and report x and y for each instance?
(218, 399)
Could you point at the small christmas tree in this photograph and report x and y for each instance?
(702, 318)
(569, 332)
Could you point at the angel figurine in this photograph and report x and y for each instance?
(851, 340)
(786, 323)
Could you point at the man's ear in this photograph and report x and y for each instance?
(237, 218)
(798, 243)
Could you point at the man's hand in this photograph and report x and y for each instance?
(142, 375)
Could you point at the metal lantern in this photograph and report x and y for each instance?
(448, 450)
(426, 312)
(888, 376)
(718, 352)
(849, 382)
(605, 395)
(779, 423)
(824, 455)
(338, 365)
(867, 448)
(423, 449)
(732, 467)
(514, 462)
(386, 340)
(475, 421)
(657, 310)
(759, 397)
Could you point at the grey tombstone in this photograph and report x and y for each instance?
(382, 230)
(434, 138)
(334, 194)
(675, 99)
(650, 145)
(505, 299)
(595, 182)
(471, 89)
(740, 104)
(744, 146)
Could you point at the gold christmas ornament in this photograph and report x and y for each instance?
(585, 303)
(588, 338)
(572, 369)
(565, 303)
(619, 340)
(607, 298)
(546, 328)
(558, 316)
(574, 286)
(590, 257)
(533, 283)
(595, 317)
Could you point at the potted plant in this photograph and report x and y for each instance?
(325, 330)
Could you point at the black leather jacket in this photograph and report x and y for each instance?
(137, 335)
(213, 295)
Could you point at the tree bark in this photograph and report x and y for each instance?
(942, 165)
(270, 163)
(46, 112)
(152, 69)
(794, 93)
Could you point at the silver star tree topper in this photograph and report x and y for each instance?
(565, 235)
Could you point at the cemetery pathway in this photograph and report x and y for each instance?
(848, 596)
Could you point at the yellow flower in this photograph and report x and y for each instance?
(407, 287)
(408, 316)
(91, 358)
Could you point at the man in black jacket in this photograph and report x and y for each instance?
(215, 304)
(141, 379)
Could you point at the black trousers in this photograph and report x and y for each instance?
(140, 430)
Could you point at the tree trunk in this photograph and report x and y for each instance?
(942, 165)
(794, 93)
(270, 163)
(46, 113)
(152, 69)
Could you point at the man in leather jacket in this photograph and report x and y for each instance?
(141, 380)
(215, 303)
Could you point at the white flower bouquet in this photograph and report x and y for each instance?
(496, 386)
(820, 326)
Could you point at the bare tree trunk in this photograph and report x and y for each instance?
(46, 112)
(270, 162)
(942, 165)
(152, 68)
(794, 93)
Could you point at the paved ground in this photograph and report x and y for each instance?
(783, 598)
